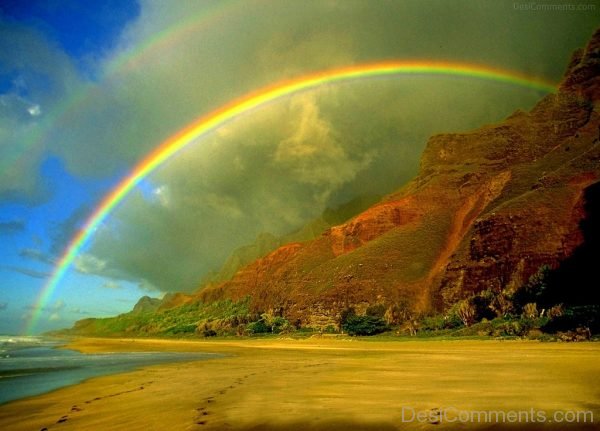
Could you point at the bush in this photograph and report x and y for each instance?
(575, 317)
(279, 324)
(346, 314)
(364, 325)
(451, 321)
(530, 310)
(258, 327)
(330, 329)
(181, 329)
(555, 311)
(482, 304)
(534, 290)
(433, 323)
(465, 311)
(515, 327)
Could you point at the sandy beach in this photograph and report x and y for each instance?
(326, 384)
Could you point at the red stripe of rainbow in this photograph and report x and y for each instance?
(245, 104)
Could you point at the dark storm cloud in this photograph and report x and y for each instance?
(283, 164)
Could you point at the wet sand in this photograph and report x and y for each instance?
(323, 384)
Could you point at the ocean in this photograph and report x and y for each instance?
(32, 365)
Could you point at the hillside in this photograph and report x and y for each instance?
(266, 242)
(486, 211)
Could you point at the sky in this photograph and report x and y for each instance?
(87, 89)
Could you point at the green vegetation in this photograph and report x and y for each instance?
(364, 325)
(195, 319)
(530, 311)
(527, 312)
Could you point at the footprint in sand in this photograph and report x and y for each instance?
(63, 419)
(200, 421)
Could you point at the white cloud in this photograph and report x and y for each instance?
(58, 305)
(314, 153)
(162, 196)
(89, 264)
(111, 284)
(34, 110)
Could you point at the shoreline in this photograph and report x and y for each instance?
(318, 384)
(37, 368)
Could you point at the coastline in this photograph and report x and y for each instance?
(318, 384)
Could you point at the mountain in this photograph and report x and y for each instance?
(486, 211)
(146, 304)
(267, 242)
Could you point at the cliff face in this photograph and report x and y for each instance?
(267, 242)
(486, 210)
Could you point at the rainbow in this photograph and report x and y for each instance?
(244, 105)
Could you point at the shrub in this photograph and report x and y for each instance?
(534, 290)
(364, 325)
(530, 310)
(393, 315)
(575, 317)
(279, 324)
(466, 312)
(502, 304)
(346, 314)
(452, 321)
(483, 305)
(258, 327)
(555, 311)
(182, 329)
(330, 329)
(433, 323)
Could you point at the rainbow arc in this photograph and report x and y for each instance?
(246, 104)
